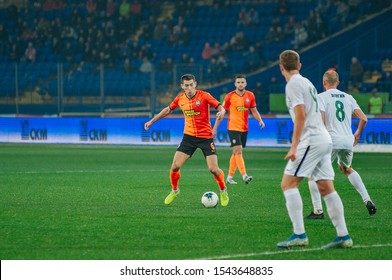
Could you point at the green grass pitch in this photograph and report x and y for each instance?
(81, 202)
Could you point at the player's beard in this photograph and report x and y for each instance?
(190, 93)
(241, 90)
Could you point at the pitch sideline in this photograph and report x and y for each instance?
(269, 253)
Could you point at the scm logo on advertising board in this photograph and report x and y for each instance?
(35, 134)
(93, 134)
(155, 135)
(374, 136)
(381, 137)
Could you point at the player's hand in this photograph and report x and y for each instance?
(147, 125)
(291, 154)
(356, 139)
(220, 114)
(262, 124)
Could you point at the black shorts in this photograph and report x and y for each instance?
(238, 138)
(189, 144)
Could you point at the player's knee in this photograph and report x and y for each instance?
(348, 171)
(325, 187)
(345, 170)
(214, 170)
(288, 182)
(237, 150)
(175, 167)
(323, 191)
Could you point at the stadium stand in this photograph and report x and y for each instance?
(81, 46)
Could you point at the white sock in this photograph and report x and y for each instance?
(229, 177)
(294, 207)
(356, 181)
(336, 213)
(316, 197)
(244, 176)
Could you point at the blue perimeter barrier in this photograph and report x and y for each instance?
(168, 131)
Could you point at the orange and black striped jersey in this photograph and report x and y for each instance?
(238, 107)
(196, 112)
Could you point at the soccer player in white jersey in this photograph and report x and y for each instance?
(336, 108)
(309, 156)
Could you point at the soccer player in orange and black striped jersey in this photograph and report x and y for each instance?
(198, 133)
(238, 103)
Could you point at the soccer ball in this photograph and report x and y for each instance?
(209, 199)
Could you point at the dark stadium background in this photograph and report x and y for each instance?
(81, 48)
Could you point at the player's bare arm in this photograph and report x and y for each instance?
(165, 112)
(256, 115)
(219, 117)
(358, 113)
(216, 125)
(299, 123)
(221, 112)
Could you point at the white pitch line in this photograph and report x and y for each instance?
(269, 253)
(67, 171)
(100, 171)
(79, 171)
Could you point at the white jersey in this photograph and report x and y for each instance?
(338, 107)
(299, 90)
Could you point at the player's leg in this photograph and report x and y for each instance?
(208, 148)
(317, 212)
(238, 141)
(294, 207)
(245, 177)
(178, 160)
(184, 151)
(345, 160)
(234, 142)
(239, 159)
(212, 163)
(232, 169)
(302, 167)
(324, 175)
(219, 176)
(335, 211)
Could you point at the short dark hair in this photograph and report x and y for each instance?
(289, 59)
(187, 77)
(240, 76)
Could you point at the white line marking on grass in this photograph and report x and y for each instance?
(100, 171)
(283, 251)
(65, 171)
(76, 171)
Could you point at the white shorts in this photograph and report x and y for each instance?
(312, 161)
(345, 157)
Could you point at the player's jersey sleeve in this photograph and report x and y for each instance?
(321, 102)
(174, 103)
(227, 101)
(354, 103)
(252, 99)
(295, 95)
